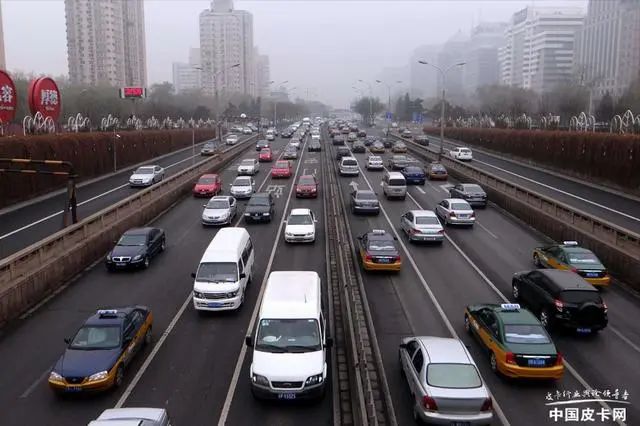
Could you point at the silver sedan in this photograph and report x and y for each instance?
(455, 211)
(444, 382)
(422, 225)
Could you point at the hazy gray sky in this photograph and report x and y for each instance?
(325, 45)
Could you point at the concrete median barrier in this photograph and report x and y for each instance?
(30, 275)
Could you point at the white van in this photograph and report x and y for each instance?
(394, 185)
(224, 271)
(289, 347)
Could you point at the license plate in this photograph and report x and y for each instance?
(384, 260)
(584, 330)
(214, 305)
(120, 264)
(73, 389)
(288, 396)
(592, 274)
(463, 216)
(460, 424)
(535, 362)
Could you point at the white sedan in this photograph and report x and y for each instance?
(232, 139)
(220, 210)
(461, 153)
(301, 226)
(455, 211)
(146, 176)
(248, 166)
(422, 225)
(374, 162)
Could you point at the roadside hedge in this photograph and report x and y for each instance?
(598, 157)
(90, 153)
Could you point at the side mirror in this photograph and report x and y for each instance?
(204, 205)
(284, 220)
(243, 275)
(329, 342)
(193, 275)
(67, 340)
(395, 238)
(315, 220)
(359, 238)
(128, 340)
(248, 340)
(403, 345)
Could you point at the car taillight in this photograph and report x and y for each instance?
(452, 214)
(510, 358)
(559, 359)
(429, 403)
(559, 304)
(396, 259)
(487, 405)
(473, 214)
(574, 269)
(414, 231)
(368, 258)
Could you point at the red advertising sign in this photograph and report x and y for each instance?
(44, 97)
(133, 92)
(8, 98)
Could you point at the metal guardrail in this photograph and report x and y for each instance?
(55, 250)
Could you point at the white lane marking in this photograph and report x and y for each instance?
(434, 300)
(487, 230)
(165, 334)
(568, 366)
(36, 383)
(446, 187)
(421, 190)
(254, 315)
(30, 225)
(624, 338)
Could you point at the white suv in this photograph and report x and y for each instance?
(461, 153)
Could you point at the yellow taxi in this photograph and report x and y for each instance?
(568, 256)
(517, 344)
(97, 355)
(378, 252)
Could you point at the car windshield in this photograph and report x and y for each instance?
(460, 206)
(525, 333)
(132, 240)
(438, 168)
(349, 162)
(265, 151)
(454, 376)
(208, 146)
(96, 337)
(400, 145)
(399, 158)
(366, 196)
(397, 182)
(288, 335)
(583, 258)
(465, 150)
(299, 219)
(217, 272)
(580, 296)
(413, 170)
(218, 204)
(144, 171)
(206, 181)
(373, 158)
(381, 245)
(472, 188)
(258, 201)
(306, 180)
(242, 182)
(247, 163)
(282, 165)
(427, 220)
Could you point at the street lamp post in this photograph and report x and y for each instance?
(388, 101)
(217, 103)
(115, 137)
(443, 75)
(275, 104)
(370, 101)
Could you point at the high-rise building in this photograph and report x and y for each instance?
(106, 42)
(608, 48)
(453, 51)
(186, 76)
(423, 79)
(262, 73)
(3, 63)
(226, 50)
(538, 53)
(482, 67)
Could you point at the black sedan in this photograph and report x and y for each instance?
(260, 208)
(358, 147)
(261, 144)
(471, 193)
(388, 143)
(414, 174)
(136, 247)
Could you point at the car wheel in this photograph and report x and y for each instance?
(163, 245)
(536, 260)
(148, 337)
(515, 290)
(493, 363)
(546, 320)
(467, 324)
(119, 379)
(146, 262)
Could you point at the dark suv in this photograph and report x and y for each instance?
(342, 151)
(561, 298)
(260, 208)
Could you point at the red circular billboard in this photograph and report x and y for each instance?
(8, 98)
(44, 97)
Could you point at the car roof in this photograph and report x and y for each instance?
(210, 175)
(242, 178)
(221, 197)
(307, 176)
(138, 231)
(133, 413)
(225, 246)
(444, 350)
(148, 166)
(282, 161)
(291, 294)
(567, 280)
(295, 212)
(117, 319)
(422, 213)
(521, 316)
(456, 200)
(364, 191)
(395, 175)
(261, 195)
(379, 237)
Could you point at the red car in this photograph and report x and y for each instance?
(282, 168)
(208, 186)
(307, 186)
(265, 155)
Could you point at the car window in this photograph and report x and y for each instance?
(366, 196)
(217, 272)
(144, 171)
(525, 333)
(397, 182)
(454, 376)
(306, 181)
(96, 337)
(460, 206)
(418, 360)
(380, 245)
(427, 220)
(247, 163)
(258, 201)
(473, 188)
(554, 251)
(132, 240)
(288, 335)
(580, 296)
(206, 181)
(300, 219)
(218, 204)
(583, 259)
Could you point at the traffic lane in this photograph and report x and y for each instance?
(456, 285)
(498, 258)
(38, 341)
(245, 409)
(586, 198)
(19, 232)
(397, 303)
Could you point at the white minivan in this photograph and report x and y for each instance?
(224, 271)
(290, 343)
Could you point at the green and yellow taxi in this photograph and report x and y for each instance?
(378, 252)
(96, 357)
(517, 344)
(569, 256)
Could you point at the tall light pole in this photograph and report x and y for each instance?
(388, 101)
(217, 103)
(443, 74)
(370, 101)
(361, 93)
(275, 103)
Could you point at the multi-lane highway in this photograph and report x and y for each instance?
(198, 366)
(612, 206)
(30, 222)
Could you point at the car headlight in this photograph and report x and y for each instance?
(109, 257)
(198, 295)
(288, 234)
(232, 294)
(247, 214)
(314, 380)
(98, 376)
(260, 380)
(55, 376)
(138, 257)
(265, 214)
(310, 234)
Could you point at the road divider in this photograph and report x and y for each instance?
(28, 276)
(617, 247)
